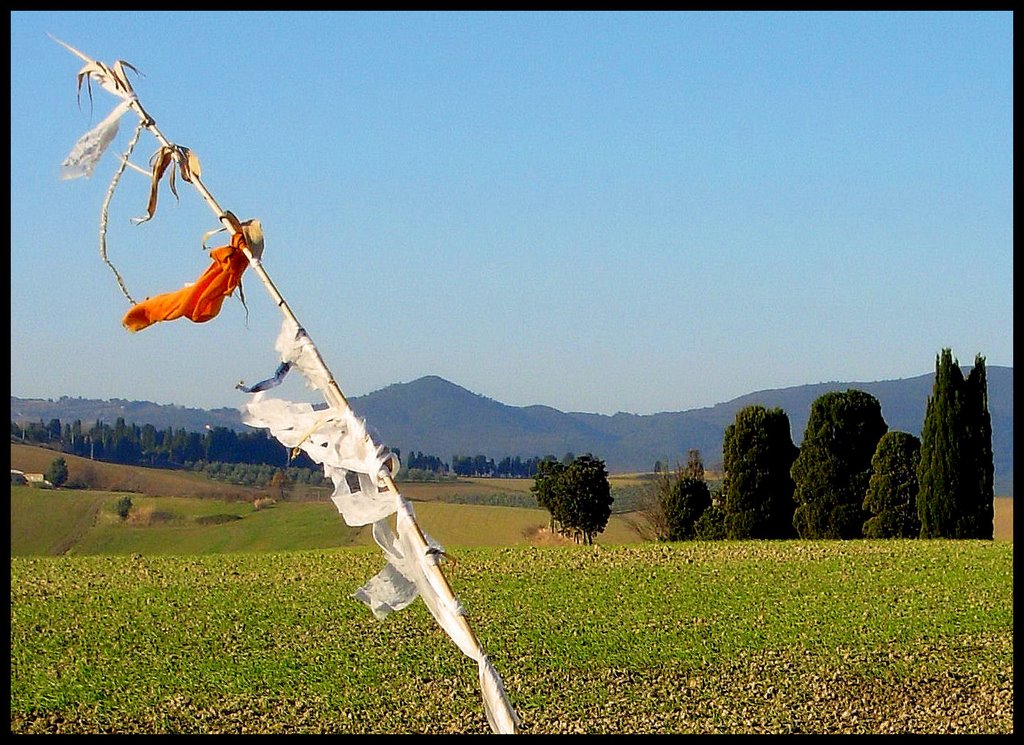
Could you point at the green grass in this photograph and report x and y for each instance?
(797, 636)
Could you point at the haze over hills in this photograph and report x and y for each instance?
(437, 417)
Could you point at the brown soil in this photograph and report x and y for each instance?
(541, 536)
(1003, 527)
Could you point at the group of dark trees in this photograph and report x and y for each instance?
(509, 467)
(851, 477)
(247, 458)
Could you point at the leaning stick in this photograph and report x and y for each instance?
(114, 80)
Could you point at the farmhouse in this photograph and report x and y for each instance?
(20, 477)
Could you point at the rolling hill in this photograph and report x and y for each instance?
(437, 417)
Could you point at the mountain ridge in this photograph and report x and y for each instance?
(437, 417)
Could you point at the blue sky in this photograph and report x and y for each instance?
(597, 212)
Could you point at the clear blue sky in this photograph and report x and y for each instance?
(597, 212)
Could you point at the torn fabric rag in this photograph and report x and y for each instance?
(269, 383)
(86, 153)
(199, 302)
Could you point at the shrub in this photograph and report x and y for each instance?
(83, 478)
(684, 501)
(710, 526)
(124, 506)
(57, 473)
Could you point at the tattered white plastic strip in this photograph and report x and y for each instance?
(336, 439)
(412, 569)
(86, 153)
(295, 347)
(363, 506)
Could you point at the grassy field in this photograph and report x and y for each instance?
(186, 513)
(60, 522)
(63, 522)
(722, 637)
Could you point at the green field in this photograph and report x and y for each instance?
(724, 637)
(206, 615)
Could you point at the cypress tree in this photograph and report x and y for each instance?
(757, 454)
(981, 464)
(892, 489)
(955, 472)
(938, 478)
(832, 471)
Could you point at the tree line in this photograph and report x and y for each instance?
(145, 445)
(851, 477)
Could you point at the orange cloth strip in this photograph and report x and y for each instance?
(198, 302)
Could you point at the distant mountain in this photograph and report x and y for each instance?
(440, 418)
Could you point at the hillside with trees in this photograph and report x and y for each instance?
(433, 417)
(851, 476)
